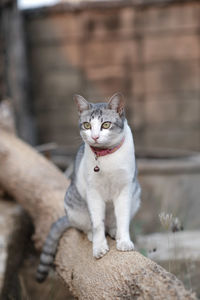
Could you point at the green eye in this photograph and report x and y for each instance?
(86, 125)
(106, 125)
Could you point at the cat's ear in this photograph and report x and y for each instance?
(81, 103)
(117, 102)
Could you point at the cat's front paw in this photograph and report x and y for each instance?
(125, 245)
(100, 251)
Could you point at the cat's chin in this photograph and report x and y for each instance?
(100, 145)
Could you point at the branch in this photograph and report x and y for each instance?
(7, 118)
(40, 187)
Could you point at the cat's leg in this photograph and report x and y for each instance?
(110, 220)
(136, 199)
(89, 236)
(96, 207)
(122, 206)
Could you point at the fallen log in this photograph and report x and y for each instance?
(40, 187)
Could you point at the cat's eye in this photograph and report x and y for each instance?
(86, 125)
(106, 125)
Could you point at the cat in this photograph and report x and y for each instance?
(104, 193)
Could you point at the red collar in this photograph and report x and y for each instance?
(102, 152)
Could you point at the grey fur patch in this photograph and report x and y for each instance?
(101, 111)
(73, 198)
(50, 246)
(43, 269)
(119, 123)
(46, 259)
(78, 159)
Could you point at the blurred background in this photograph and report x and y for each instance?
(150, 51)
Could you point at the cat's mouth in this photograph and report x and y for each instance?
(95, 144)
(99, 145)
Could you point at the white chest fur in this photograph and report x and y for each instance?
(116, 170)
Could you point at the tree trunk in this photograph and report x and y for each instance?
(14, 83)
(40, 187)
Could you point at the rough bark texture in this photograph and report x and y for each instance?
(15, 231)
(40, 187)
(10, 217)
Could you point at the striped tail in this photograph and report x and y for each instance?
(50, 247)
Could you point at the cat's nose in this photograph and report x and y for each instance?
(95, 137)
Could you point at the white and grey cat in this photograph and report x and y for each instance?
(104, 193)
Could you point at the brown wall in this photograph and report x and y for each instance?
(150, 53)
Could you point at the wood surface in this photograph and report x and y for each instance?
(40, 187)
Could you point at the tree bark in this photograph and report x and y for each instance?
(40, 187)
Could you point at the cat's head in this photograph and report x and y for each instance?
(101, 124)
